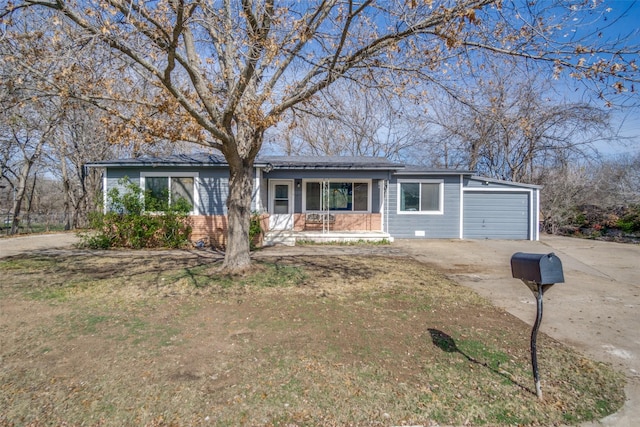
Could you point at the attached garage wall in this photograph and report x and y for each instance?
(497, 215)
(425, 226)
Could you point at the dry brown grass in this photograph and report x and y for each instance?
(163, 338)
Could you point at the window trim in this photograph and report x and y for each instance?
(352, 181)
(196, 184)
(440, 183)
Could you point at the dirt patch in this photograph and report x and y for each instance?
(161, 338)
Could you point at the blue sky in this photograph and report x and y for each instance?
(629, 24)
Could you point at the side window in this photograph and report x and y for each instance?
(160, 192)
(420, 197)
(182, 188)
(429, 197)
(156, 193)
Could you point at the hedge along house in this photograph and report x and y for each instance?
(340, 198)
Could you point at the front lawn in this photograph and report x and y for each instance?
(161, 338)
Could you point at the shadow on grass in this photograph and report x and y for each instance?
(447, 344)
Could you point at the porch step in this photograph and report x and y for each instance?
(289, 238)
(279, 237)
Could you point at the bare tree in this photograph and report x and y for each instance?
(44, 68)
(602, 187)
(23, 137)
(230, 70)
(346, 121)
(78, 139)
(617, 181)
(510, 126)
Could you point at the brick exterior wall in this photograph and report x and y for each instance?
(343, 222)
(212, 229)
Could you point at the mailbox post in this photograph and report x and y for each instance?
(539, 272)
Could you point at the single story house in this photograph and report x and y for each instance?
(341, 198)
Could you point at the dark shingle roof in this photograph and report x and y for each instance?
(196, 159)
(329, 162)
(276, 162)
(283, 162)
(418, 170)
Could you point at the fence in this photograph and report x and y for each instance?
(33, 223)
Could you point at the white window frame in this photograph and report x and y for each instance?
(369, 183)
(175, 174)
(440, 183)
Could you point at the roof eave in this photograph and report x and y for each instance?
(435, 172)
(334, 167)
(504, 182)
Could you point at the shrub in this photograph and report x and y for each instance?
(127, 225)
(630, 221)
(255, 230)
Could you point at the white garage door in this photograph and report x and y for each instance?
(496, 215)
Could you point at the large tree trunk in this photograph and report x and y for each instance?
(237, 255)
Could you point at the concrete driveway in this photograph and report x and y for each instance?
(596, 310)
(36, 242)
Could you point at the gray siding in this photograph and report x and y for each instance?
(214, 190)
(114, 175)
(410, 226)
(376, 203)
(496, 215)
(213, 185)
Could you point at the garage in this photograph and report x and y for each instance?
(496, 215)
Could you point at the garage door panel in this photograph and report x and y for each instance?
(495, 215)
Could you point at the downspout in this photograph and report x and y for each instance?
(325, 218)
(258, 193)
(461, 213)
(382, 190)
(104, 192)
(537, 216)
(386, 195)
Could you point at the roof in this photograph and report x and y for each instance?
(329, 162)
(300, 162)
(196, 159)
(284, 162)
(418, 170)
(503, 182)
(274, 162)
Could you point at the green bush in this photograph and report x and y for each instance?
(126, 224)
(630, 222)
(255, 230)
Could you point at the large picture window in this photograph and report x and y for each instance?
(162, 191)
(420, 197)
(347, 196)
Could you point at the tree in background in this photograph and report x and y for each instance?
(512, 126)
(597, 196)
(24, 130)
(45, 172)
(346, 121)
(227, 71)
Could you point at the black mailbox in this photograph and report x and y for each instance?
(539, 272)
(541, 269)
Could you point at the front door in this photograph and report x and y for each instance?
(280, 205)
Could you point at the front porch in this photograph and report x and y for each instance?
(290, 237)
